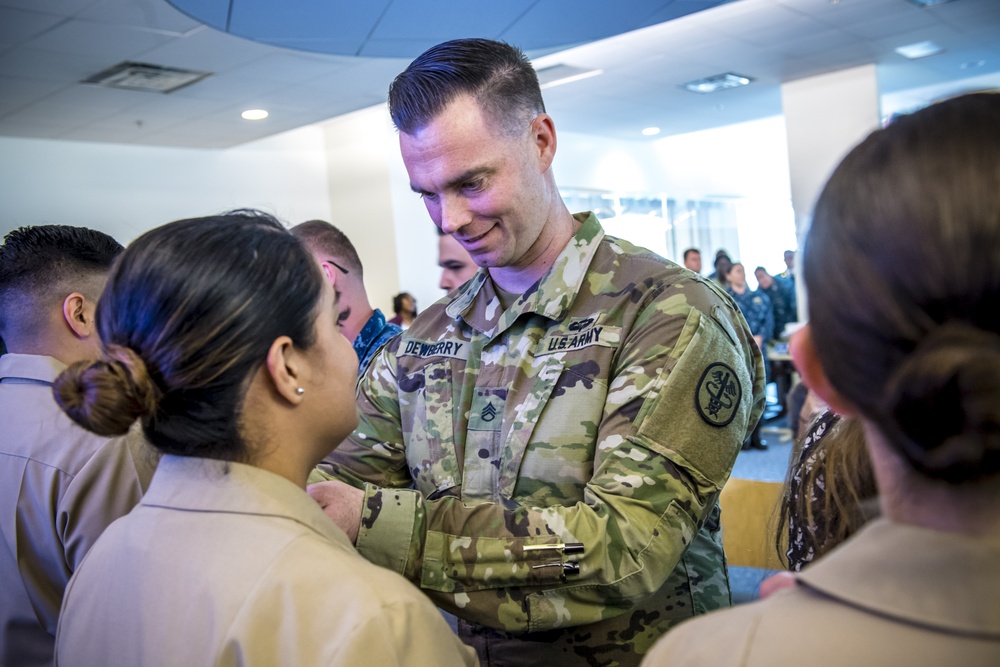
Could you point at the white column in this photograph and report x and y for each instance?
(825, 116)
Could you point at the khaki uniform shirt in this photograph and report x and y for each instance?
(60, 487)
(227, 564)
(891, 595)
(605, 407)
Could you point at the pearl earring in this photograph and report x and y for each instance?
(300, 391)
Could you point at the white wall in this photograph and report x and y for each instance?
(124, 190)
(348, 171)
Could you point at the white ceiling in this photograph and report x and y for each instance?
(48, 46)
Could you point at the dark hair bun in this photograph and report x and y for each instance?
(943, 402)
(107, 396)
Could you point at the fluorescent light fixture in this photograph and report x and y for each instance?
(143, 76)
(557, 75)
(650, 131)
(919, 50)
(929, 3)
(254, 114)
(718, 82)
(974, 64)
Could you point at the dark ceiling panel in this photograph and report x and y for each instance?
(450, 19)
(405, 28)
(545, 23)
(210, 12)
(338, 27)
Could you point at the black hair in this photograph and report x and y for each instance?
(917, 351)
(188, 315)
(499, 76)
(321, 236)
(40, 265)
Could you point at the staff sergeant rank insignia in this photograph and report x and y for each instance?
(718, 395)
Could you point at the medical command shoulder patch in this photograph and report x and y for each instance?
(718, 395)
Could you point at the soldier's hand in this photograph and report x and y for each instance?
(342, 503)
(776, 583)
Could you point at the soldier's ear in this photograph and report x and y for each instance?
(807, 363)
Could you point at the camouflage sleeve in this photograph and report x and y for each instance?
(686, 386)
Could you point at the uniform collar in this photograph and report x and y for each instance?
(200, 485)
(921, 576)
(30, 367)
(552, 296)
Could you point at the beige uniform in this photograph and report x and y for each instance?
(891, 595)
(60, 487)
(227, 564)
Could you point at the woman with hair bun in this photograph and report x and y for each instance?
(909, 227)
(219, 334)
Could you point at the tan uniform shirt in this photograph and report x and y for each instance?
(227, 564)
(891, 595)
(60, 487)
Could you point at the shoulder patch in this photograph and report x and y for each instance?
(718, 395)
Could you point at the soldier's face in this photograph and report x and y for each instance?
(481, 186)
(764, 279)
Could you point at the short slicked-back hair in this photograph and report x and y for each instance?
(40, 265)
(496, 74)
(322, 237)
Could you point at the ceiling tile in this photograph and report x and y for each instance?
(150, 15)
(206, 50)
(18, 26)
(18, 93)
(111, 42)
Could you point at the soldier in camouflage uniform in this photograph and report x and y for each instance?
(542, 452)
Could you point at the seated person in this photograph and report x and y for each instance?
(220, 335)
(60, 486)
(405, 308)
(918, 362)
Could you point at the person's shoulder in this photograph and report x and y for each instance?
(766, 629)
(635, 269)
(312, 559)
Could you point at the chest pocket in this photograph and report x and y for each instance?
(430, 451)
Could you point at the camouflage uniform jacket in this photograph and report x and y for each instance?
(604, 407)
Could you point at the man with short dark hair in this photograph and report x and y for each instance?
(543, 449)
(363, 325)
(692, 260)
(60, 486)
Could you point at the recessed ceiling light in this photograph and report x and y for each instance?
(650, 131)
(718, 82)
(254, 114)
(919, 50)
